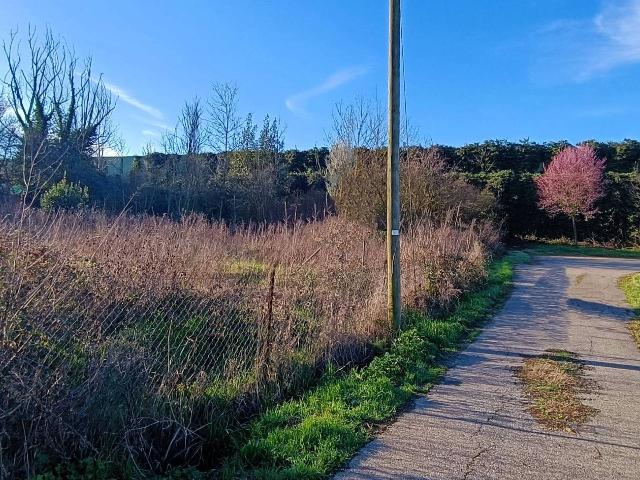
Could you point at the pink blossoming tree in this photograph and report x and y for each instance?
(572, 183)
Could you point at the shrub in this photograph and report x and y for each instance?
(65, 195)
(429, 190)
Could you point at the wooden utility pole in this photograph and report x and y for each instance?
(393, 170)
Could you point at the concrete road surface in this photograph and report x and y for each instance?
(475, 425)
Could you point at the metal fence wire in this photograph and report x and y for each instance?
(145, 336)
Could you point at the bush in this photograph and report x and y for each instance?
(65, 195)
(429, 190)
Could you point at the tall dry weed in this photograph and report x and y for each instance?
(146, 337)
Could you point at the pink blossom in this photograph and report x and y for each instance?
(572, 183)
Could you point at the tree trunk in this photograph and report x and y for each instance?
(575, 232)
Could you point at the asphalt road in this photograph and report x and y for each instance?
(475, 425)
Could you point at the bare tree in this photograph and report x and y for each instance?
(169, 142)
(194, 135)
(341, 160)
(360, 124)
(409, 132)
(356, 126)
(9, 141)
(148, 149)
(224, 121)
(59, 112)
(190, 135)
(32, 90)
(83, 118)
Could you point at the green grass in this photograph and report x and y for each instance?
(248, 270)
(630, 285)
(580, 250)
(312, 436)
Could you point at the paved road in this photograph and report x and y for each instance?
(475, 425)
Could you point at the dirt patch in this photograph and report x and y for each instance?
(553, 383)
(578, 280)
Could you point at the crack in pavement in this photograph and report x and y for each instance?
(471, 463)
(469, 466)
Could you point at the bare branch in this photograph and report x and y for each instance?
(224, 121)
(358, 125)
(190, 135)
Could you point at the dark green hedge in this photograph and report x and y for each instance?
(525, 156)
(617, 220)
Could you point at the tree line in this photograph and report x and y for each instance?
(56, 123)
(509, 170)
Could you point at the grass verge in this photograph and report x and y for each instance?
(581, 251)
(630, 285)
(312, 436)
(553, 382)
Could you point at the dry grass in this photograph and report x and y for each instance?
(634, 328)
(553, 382)
(153, 338)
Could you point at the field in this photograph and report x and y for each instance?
(149, 343)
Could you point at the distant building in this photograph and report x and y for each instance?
(117, 165)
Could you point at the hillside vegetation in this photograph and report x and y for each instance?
(149, 342)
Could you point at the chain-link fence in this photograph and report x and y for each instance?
(151, 340)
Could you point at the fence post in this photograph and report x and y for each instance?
(263, 357)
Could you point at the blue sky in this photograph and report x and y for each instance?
(474, 69)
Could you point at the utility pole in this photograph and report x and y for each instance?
(393, 170)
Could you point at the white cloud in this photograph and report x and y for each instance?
(134, 102)
(150, 133)
(296, 102)
(151, 122)
(579, 50)
(619, 25)
(110, 152)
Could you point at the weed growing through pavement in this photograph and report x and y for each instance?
(554, 382)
